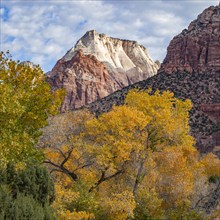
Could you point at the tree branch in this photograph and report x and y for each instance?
(64, 170)
(103, 178)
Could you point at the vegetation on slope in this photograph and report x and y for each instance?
(136, 161)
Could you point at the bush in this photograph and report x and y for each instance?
(26, 193)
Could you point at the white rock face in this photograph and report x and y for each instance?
(118, 55)
(97, 66)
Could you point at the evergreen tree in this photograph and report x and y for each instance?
(26, 193)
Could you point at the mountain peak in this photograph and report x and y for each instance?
(114, 52)
(99, 65)
(198, 47)
(91, 32)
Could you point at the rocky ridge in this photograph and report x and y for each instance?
(97, 66)
(198, 47)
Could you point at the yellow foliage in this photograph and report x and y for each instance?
(119, 206)
(211, 165)
(176, 181)
(67, 215)
(64, 197)
(149, 203)
(23, 110)
(138, 158)
(168, 115)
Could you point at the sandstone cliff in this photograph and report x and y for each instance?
(97, 66)
(198, 47)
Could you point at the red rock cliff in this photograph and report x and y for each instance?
(198, 47)
(84, 78)
(97, 66)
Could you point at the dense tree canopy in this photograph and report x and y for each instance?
(26, 101)
(136, 161)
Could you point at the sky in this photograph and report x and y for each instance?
(41, 31)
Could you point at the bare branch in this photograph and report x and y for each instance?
(103, 178)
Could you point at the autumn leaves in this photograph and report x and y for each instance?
(136, 161)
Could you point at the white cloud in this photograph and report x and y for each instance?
(42, 31)
(2, 11)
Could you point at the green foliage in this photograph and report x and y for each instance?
(23, 109)
(33, 181)
(23, 208)
(26, 193)
(85, 201)
(5, 200)
(184, 213)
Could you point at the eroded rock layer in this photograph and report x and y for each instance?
(97, 66)
(84, 78)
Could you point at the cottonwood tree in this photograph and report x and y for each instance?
(142, 150)
(26, 102)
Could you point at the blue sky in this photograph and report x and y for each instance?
(42, 31)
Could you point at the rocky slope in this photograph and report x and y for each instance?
(97, 66)
(198, 47)
(193, 58)
(184, 85)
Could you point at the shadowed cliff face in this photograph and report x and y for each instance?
(97, 66)
(84, 78)
(198, 47)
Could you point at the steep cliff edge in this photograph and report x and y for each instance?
(198, 47)
(97, 66)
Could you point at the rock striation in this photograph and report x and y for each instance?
(84, 78)
(198, 47)
(97, 66)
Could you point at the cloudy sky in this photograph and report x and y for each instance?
(43, 30)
